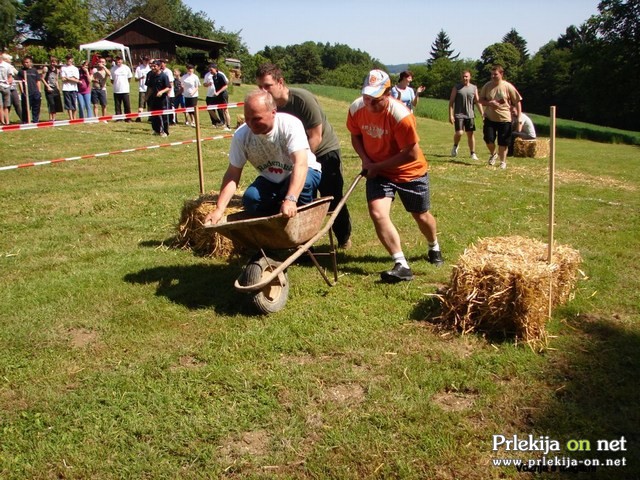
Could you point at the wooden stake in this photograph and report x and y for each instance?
(552, 198)
(196, 116)
(25, 92)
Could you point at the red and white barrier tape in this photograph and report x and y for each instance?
(126, 150)
(105, 118)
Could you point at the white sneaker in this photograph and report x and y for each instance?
(188, 124)
(503, 165)
(163, 134)
(492, 159)
(474, 156)
(454, 151)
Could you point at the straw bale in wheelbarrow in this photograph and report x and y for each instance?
(501, 286)
(192, 234)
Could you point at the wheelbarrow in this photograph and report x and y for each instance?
(265, 279)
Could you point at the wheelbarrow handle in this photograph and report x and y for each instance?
(345, 197)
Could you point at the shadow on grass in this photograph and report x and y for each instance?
(589, 392)
(197, 286)
(470, 163)
(597, 394)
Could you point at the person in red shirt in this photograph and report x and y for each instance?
(383, 133)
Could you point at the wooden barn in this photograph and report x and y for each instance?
(144, 37)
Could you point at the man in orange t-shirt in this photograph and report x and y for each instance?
(383, 133)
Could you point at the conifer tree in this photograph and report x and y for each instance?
(441, 48)
(514, 38)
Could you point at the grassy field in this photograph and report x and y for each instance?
(438, 109)
(121, 357)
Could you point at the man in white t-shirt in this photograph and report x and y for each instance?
(141, 76)
(521, 127)
(217, 85)
(70, 76)
(276, 145)
(6, 79)
(172, 92)
(120, 77)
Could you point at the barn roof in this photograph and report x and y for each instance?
(145, 32)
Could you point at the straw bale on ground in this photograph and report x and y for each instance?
(538, 148)
(193, 235)
(501, 286)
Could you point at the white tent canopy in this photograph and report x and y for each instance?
(102, 45)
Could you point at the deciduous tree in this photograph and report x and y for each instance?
(503, 54)
(58, 22)
(8, 16)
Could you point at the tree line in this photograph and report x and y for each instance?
(588, 72)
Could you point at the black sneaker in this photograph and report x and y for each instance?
(435, 258)
(397, 274)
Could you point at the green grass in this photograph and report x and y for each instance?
(123, 358)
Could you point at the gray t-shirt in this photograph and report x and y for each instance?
(463, 105)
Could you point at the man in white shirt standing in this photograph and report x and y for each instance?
(70, 76)
(141, 76)
(217, 84)
(120, 77)
(6, 79)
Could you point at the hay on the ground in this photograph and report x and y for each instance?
(193, 235)
(501, 286)
(537, 148)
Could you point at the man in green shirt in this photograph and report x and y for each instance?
(322, 139)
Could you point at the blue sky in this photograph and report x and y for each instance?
(396, 32)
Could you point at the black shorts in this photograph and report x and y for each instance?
(414, 193)
(499, 130)
(70, 100)
(190, 101)
(466, 124)
(99, 97)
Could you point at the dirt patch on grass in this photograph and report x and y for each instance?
(81, 337)
(12, 401)
(455, 401)
(187, 361)
(351, 394)
(254, 443)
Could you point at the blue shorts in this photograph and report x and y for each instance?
(264, 197)
(414, 194)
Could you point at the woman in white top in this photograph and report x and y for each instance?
(191, 84)
(403, 92)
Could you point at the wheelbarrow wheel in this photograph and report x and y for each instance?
(273, 297)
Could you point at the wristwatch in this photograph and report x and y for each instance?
(291, 198)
